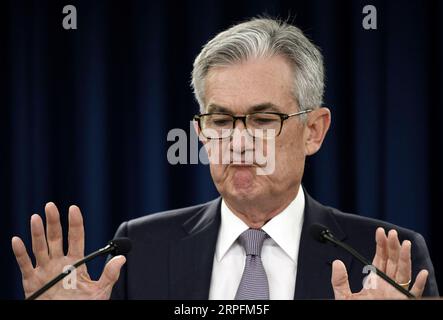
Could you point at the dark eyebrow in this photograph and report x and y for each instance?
(264, 107)
(257, 108)
(216, 108)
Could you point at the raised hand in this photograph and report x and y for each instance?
(51, 260)
(392, 258)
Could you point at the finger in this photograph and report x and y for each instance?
(420, 283)
(76, 234)
(111, 273)
(339, 281)
(381, 253)
(22, 257)
(404, 271)
(393, 253)
(54, 230)
(39, 246)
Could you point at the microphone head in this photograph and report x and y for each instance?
(318, 232)
(121, 246)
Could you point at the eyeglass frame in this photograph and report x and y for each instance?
(283, 117)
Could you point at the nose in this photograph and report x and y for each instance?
(239, 123)
(241, 140)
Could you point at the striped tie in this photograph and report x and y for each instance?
(254, 282)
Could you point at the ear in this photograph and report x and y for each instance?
(316, 128)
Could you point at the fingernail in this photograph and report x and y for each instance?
(407, 242)
(72, 207)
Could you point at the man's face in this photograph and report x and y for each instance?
(263, 84)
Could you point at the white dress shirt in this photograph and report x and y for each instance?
(279, 253)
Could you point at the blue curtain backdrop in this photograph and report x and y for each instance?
(84, 114)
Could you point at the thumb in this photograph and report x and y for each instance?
(111, 272)
(339, 281)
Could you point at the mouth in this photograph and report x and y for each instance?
(240, 163)
(243, 165)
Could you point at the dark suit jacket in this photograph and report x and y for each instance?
(172, 253)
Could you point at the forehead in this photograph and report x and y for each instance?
(251, 83)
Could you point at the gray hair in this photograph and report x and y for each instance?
(263, 37)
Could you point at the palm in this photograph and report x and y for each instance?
(51, 260)
(378, 290)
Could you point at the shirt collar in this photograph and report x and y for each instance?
(284, 228)
(231, 228)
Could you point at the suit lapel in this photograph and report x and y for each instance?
(315, 259)
(191, 256)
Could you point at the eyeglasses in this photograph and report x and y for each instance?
(264, 125)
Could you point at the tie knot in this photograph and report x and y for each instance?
(252, 241)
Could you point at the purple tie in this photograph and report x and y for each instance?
(254, 282)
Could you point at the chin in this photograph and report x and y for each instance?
(242, 196)
(245, 192)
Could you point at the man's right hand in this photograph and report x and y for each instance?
(51, 260)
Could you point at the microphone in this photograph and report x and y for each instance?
(322, 234)
(118, 246)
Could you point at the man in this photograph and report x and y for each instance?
(259, 81)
